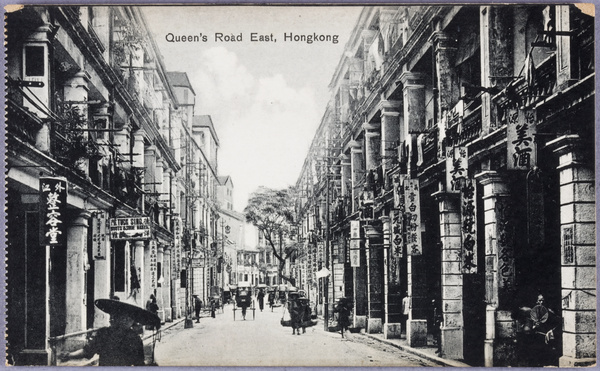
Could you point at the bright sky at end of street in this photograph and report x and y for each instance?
(266, 98)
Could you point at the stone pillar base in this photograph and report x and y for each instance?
(34, 357)
(374, 326)
(161, 315)
(488, 353)
(168, 315)
(452, 342)
(392, 330)
(75, 342)
(566, 361)
(416, 332)
(360, 321)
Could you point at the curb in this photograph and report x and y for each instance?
(443, 361)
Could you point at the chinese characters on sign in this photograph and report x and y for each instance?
(520, 133)
(137, 228)
(176, 253)
(506, 263)
(457, 168)
(355, 243)
(153, 264)
(397, 236)
(413, 216)
(53, 203)
(99, 239)
(469, 228)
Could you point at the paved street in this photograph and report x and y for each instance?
(221, 341)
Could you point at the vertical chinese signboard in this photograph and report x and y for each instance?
(153, 264)
(355, 243)
(53, 204)
(176, 254)
(469, 227)
(520, 133)
(413, 216)
(99, 222)
(506, 262)
(457, 165)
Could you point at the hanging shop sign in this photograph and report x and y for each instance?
(99, 237)
(469, 228)
(457, 168)
(137, 228)
(413, 217)
(355, 243)
(520, 132)
(153, 264)
(397, 242)
(53, 205)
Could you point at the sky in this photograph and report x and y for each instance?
(266, 99)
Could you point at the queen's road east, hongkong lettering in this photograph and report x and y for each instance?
(253, 37)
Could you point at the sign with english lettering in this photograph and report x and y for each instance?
(136, 228)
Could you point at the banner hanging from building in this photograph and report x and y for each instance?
(469, 227)
(99, 238)
(397, 242)
(53, 205)
(135, 228)
(520, 132)
(413, 217)
(457, 169)
(355, 243)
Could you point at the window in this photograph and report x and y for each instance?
(34, 61)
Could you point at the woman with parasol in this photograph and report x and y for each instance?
(117, 344)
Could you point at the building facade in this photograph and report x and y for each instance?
(454, 165)
(110, 193)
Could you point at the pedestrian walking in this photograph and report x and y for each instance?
(343, 308)
(197, 307)
(405, 310)
(436, 328)
(151, 307)
(117, 344)
(261, 299)
(271, 299)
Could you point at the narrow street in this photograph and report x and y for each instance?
(221, 341)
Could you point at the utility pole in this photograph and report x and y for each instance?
(326, 284)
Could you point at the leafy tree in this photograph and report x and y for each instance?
(272, 212)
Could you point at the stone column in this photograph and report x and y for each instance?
(75, 291)
(36, 46)
(497, 68)
(448, 85)
(138, 254)
(452, 331)
(392, 327)
(578, 244)
(358, 171)
(138, 157)
(102, 280)
(390, 133)
(499, 347)
(372, 145)
(375, 289)
(76, 90)
(159, 289)
(414, 112)
(167, 298)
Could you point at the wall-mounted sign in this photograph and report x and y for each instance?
(469, 228)
(355, 243)
(153, 264)
(413, 217)
(99, 237)
(53, 204)
(457, 168)
(520, 132)
(137, 228)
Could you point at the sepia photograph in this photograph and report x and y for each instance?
(300, 185)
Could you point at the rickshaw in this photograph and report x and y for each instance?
(243, 300)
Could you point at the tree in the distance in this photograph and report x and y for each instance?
(272, 213)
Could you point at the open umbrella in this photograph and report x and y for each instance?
(139, 315)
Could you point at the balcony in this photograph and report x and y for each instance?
(21, 123)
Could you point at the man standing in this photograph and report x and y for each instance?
(405, 310)
(261, 299)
